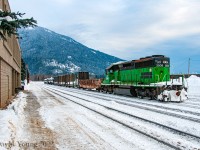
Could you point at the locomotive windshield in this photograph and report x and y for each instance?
(162, 62)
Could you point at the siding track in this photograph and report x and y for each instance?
(189, 136)
(193, 116)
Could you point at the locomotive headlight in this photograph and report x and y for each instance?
(165, 62)
(178, 93)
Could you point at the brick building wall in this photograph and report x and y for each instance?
(10, 64)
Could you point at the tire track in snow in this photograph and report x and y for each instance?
(37, 136)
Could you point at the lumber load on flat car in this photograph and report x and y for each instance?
(90, 83)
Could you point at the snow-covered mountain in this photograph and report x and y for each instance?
(47, 52)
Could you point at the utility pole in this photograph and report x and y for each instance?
(188, 67)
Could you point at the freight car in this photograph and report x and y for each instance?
(79, 79)
(145, 77)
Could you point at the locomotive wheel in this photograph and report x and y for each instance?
(133, 92)
(111, 92)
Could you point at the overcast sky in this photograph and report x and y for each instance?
(127, 29)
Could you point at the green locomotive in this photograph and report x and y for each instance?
(145, 77)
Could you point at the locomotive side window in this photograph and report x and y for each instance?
(113, 68)
(144, 64)
(127, 66)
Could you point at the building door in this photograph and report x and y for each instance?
(5, 91)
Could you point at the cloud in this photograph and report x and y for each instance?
(124, 25)
(124, 28)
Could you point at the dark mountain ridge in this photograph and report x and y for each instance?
(47, 52)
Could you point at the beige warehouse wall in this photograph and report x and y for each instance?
(10, 64)
(6, 83)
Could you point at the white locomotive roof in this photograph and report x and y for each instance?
(117, 63)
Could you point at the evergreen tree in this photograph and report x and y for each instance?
(11, 21)
(23, 69)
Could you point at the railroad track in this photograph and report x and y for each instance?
(195, 103)
(153, 136)
(143, 102)
(126, 113)
(122, 101)
(190, 105)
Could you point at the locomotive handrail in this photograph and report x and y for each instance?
(158, 77)
(165, 75)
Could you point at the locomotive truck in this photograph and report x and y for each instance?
(144, 77)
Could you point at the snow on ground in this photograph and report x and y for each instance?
(105, 134)
(41, 114)
(181, 124)
(193, 85)
(21, 126)
(174, 122)
(11, 121)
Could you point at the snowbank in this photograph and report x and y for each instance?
(26, 86)
(11, 121)
(193, 85)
